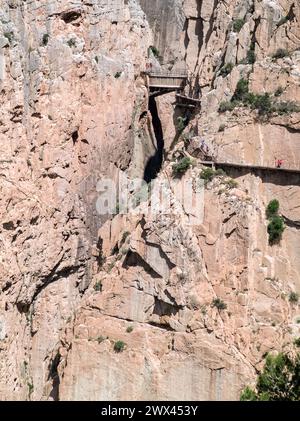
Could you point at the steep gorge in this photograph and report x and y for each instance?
(76, 110)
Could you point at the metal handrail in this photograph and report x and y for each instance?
(165, 73)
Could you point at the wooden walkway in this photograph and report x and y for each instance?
(187, 102)
(251, 167)
(166, 80)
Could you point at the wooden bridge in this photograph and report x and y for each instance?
(161, 81)
(250, 167)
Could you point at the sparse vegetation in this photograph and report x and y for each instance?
(293, 297)
(97, 59)
(181, 123)
(154, 51)
(281, 53)
(125, 235)
(222, 128)
(238, 24)
(226, 70)
(286, 107)
(98, 286)
(119, 346)
(71, 42)
(283, 20)
(111, 266)
(129, 329)
(231, 183)
(227, 106)
(208, 174)
(180, 167)
(9, 36)
(45, 39)
(279, 380)
(272, 208)
(275, 229)
(263, 103)
(297, 342)
(30, 388)
(251, 57)
(118, 75)
(100, 339)
(219, 304)
(241, 90)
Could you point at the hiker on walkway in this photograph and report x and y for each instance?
(279, 163)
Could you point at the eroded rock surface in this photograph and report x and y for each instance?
(73, 282)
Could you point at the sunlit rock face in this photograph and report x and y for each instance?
(75, 282)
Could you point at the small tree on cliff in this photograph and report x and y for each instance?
(279, 380)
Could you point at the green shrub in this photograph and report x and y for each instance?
(279, 380)
(281, 53)
(45, 39)
(231, 183)
(125, 235)
(154, 51)
(219, 304)
(207, 174)
(30, 388)
(119, 346)
(275, 229)
(272, 208)
(226, 70)
(71, 42)
(286, 107)
(251, 58)
(98, 286)
(180, 167)
(263, 104)
(293, 297)
(283, 20)
(227, 106)
(9, 36)
(129, 329)
(220, 171)
(248, 395)
(241, 91)
(297, 342)
(181, 123)
(238, 24)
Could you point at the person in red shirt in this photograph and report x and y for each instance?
(279, 163)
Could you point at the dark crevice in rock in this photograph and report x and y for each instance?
(75, 136)
(212, 21)
(54, 377)
(134, 259)
(70, 16)
(161, 308)
(154, 164)
(52, 277)
(290, 223)
(229, 234)
(161, 326)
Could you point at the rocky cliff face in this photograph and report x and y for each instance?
(75, 282)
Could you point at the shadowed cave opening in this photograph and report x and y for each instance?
(155, 162)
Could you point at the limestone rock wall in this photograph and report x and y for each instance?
(75, 111)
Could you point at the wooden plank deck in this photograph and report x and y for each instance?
(251, 167)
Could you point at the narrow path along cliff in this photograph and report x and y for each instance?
(188, 111)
